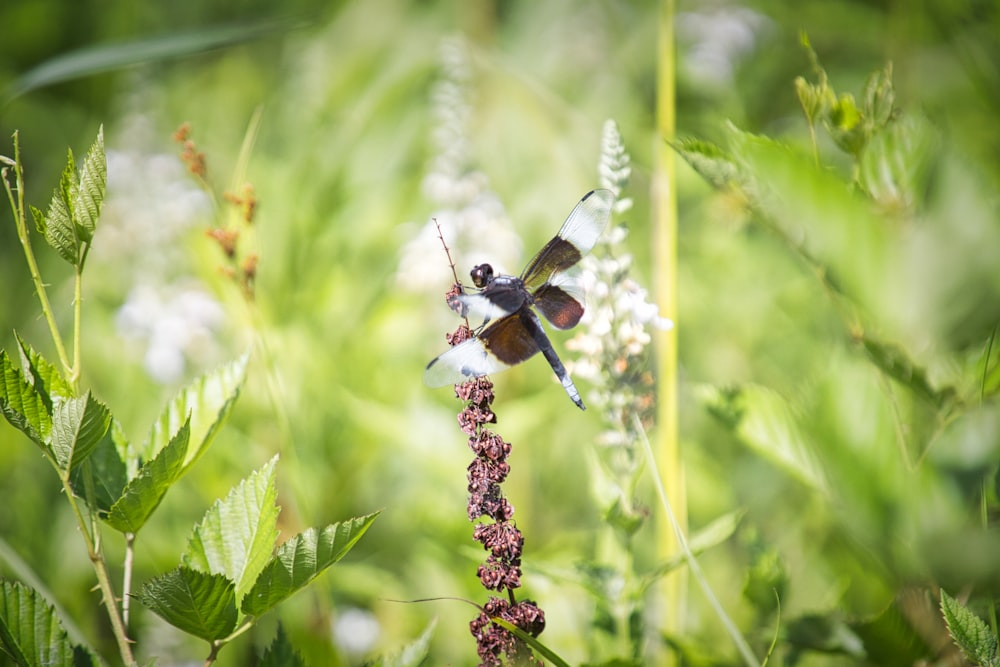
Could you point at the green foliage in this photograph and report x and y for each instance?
(281, 653)
(78, 425)
(71, 221)
(23, 406)
(199, 603)
(300, 560)
(837, 313)
(411, 655)
(232, 551)
(205, 404)
(143, 493)
(236, 536)
(976, 640)
(43, 376)
(31, 634)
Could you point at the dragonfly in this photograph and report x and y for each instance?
(512, 331)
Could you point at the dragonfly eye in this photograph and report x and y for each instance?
(481, 275)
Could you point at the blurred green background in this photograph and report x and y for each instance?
(375, 116)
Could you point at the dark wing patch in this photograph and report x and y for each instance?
(509, 341)
(559, 307)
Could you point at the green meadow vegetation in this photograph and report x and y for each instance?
(217, 447)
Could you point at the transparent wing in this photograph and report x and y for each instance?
(576, 238)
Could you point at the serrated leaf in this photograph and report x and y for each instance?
(78, 424)
(57, 226)
(142, 495)
(236, 536)
(711, 162)
(207, 403)
(43, 376)
(88, 193)
(969, 632)
(198, 603)
(22, 406)
(106, 469)
(31, 633)
(281, 653)
(299, 560)
(39, 218)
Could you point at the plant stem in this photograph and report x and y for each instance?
(127, 577)
(91, 536)
(665, 260)
(20, 221)
(74, 373)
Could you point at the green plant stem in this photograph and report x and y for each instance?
(20, 221)
(74, 372)
(127, 577)
(91, 536)
(674, 587)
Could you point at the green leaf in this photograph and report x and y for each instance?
(894, 362)
(895, 167)
(811, 98)
(879, 97)
(536, 645)
(78, 425)
(844, 122)
(22, 405)
(200, 604)
(827, 634)
(57, 225)
(764, 421)
(43, 376)
(969, 632)
(107, 57)
(300, 559)
(106, 470)
(711, 162)
(31, 633)
(988, 367)
(207, 402)
(281, 653)
(236, 536)
(712, 535)
(88, 194)
(39, 218)
(142, 494)
(411, 655)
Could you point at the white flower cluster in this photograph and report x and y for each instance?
(152, 205)
(471, 216)
(717, 39)
(619, 315)
(177, 325)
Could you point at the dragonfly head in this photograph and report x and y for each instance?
(482, 275)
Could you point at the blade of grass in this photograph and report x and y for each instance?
(741, 644)
(107, 57)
